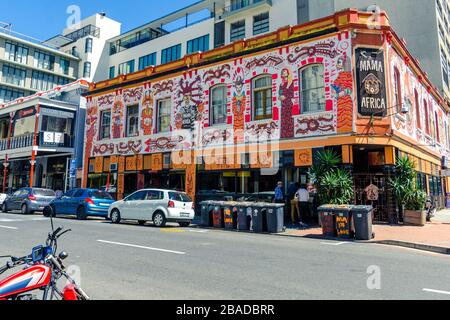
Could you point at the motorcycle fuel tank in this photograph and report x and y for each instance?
(24, 281)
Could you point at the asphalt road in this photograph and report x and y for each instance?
(142, 262)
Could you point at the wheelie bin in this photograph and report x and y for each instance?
(327, 218)
(362, 218)
(275, 218)
(230, 210)
(344, 223)
(206, 213)
(244, 216)
(259, 220)
(218, 215)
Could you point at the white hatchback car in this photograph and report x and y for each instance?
(157, 205)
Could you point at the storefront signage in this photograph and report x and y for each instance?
(372, 192)
(73, 169)
(25, 113)
(303, 158)
(370, 77)
(57, 113)
(53, 138)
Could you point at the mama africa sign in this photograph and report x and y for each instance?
(370, 77)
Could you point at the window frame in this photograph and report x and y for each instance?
(130, 117)
(158, 115)
(397, 90)
(302, 90)
(175, 54)
(224, 104)
(418, 115)
(263, 25)
(237, 35)
(88, 45)
(103, 126)
(265, 107)
(87, 69)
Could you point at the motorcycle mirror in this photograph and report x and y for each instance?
(63, 255)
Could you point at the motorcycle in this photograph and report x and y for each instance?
(431, 209)
(42, 270)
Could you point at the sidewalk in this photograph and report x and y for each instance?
(435, 236)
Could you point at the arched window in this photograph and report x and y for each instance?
(438, 138)
(218, 109)
(416, 102)
(262, 97)
(427, 117)
(312, 93)
(397, 91)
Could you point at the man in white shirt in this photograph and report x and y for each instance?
(302, 196)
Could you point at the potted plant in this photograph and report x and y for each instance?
(415, 213)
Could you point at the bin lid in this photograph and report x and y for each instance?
(343, 208)
(362, 209)
(327, 208)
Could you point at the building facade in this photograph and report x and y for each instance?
(428, 41)
(44, 133)
(241, 117)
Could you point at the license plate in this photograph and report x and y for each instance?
(184, 214)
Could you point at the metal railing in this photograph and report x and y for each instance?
(22, 141)
(243, 4)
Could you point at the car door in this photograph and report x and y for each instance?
(60, 203)
(130, 207)
(148, 205)
(77, 199)
(13, 204)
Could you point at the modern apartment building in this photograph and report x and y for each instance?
(424, 24)
(203, 26)
(28, 66)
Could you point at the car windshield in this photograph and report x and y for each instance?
(100, 195)
(44, 193)
(178, 196)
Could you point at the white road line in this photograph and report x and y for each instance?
(198, 231)
(11, 220)
(141, 247)
(334, 243)
(12, 228)
(436, 291)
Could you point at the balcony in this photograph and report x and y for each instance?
(241, 5)
(19, 142)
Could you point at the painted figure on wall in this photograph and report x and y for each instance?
(190, 109)
(117, 112)
(343, 87)
(147, 114)
(238, 108)
(286, 94)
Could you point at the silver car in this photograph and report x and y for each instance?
(28, 200)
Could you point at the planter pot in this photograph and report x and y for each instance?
(415, 218)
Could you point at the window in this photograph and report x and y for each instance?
(13, 75)
(416, 101)
(15, 52)
(397, 91)
(261, 23)
(171, 54)
(179, 196)
(164, 110)
(64, 65)
(262, 97)
(237, 30)
(55, 124)
(198, 44)
(43, 60)
(312, 92)
(133, 121)
(88, 45)
(87, 70)
(137, 196)
(427, 117)
(7, 94)
(126, 67)
(154, 195)
(44, 81)
(112, 72)
(105, 125)
(218, 105)
(147, 61)
(438, 138)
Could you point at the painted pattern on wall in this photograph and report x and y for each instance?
(191, 117)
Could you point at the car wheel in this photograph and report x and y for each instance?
(159, 220)
(142, 222)
(24, 209)
(184, 224)
(81, 213)
(115, 216)
(4, 208)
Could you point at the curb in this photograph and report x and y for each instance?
(397, 243)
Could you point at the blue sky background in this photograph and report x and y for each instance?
(43, 19)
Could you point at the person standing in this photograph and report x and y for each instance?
(279, 194)
(302, 196)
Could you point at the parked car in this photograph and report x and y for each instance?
(2, 197)
(157, 205)
(28, 200)
(82, 203)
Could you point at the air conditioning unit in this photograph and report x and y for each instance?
(113, 167)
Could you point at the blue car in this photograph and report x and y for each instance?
(81, 202)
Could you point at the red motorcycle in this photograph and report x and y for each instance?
(42, 270)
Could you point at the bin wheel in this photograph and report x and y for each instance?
(373, 235)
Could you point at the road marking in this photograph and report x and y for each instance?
(172, 231)
(12, 228)
(198, 231)
(334, 243)
(141, 247)
(436, 291)
(11, 220)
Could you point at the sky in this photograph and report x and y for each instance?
(44, 19)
